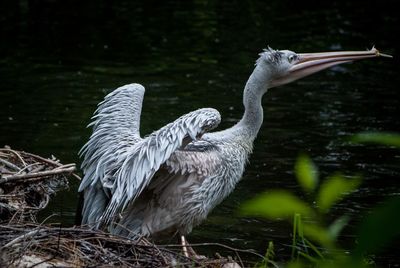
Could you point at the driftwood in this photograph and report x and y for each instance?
(27, 182)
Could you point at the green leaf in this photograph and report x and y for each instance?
(276, 204)
(297, 232)
(270, 254)
(384, 138)
(318, 234)
(379, 228)
(306, 173)
(268, 258)
(337, 226)
(333, 189)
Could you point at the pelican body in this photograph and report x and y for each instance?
(169, 181)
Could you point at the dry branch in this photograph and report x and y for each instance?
(27, 181)
(36, 175)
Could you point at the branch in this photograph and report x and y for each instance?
(10, 165)
(59, 170)
(51, 162)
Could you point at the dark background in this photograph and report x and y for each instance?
(59, 58)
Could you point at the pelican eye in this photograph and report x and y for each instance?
(293, 57)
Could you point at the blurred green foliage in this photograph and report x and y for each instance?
(306, 173)
(381, 225)
(281, 204)
(378, 228)
(383, 138)
(333, 189)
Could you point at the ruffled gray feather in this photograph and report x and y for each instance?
(122, 162)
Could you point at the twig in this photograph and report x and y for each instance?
(26, 167)
(16, 154)
(13, 178)
(10, 165)
(250, 251)
(65, 166)
(44, 261)
(51, 162)
(20, 238)
(46, 160)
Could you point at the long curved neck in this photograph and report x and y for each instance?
(253, 116)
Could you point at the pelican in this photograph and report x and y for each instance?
(168, 182)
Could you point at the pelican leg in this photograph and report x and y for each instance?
(184, 246)
(188, 251)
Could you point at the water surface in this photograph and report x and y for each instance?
(59, 59)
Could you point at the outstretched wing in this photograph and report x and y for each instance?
(115, 127)
(118, 164)
(145, 158)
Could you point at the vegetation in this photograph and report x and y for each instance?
(314, 243)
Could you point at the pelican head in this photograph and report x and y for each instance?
(285, 66)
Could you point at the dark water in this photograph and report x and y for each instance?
(59, 58)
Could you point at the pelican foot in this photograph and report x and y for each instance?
(189, 252)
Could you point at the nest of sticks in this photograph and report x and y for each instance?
(27, 182)
(33, 245)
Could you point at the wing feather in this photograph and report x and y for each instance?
(115, 126)
(119, 164)
(145, 157)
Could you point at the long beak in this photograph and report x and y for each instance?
(314, 62)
